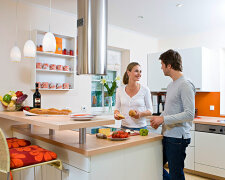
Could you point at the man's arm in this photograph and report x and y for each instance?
(188, 102)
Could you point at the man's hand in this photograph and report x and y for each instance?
(156, 121)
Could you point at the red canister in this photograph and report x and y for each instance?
(65, 85)
(59, 67)
(45, 66)
(38, 65)
(71, 52)
(64, 51)
(58, 86)
(52, 67)
(66, 68)
(52, 85)
(44, 85)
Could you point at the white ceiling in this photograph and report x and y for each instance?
(162, 19)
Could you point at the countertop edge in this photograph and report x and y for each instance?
(92, 151)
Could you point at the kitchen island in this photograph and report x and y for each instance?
(99, 159)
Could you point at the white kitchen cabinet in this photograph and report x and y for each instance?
(156, 79)
(189, 161)
(54, 76)
(200, 65)
(209, 152)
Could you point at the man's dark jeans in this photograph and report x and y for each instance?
(174, 153)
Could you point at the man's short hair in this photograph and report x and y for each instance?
(173, 58)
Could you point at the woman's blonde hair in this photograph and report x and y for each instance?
(129, 68)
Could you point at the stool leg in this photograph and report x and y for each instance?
(34, 174)
(8, 176)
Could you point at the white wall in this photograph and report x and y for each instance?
(213, 40)
(16, 76)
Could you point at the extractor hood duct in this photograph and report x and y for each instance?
(92, 30)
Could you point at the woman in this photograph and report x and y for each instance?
(133, 96)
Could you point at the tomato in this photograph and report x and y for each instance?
(19, 93)
(122, 136)
(118, 136)
(26, 108)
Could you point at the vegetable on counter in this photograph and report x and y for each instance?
(101, 136)
(120, 134)
(13, 101)
(19, 93)
(20, 99)
(143, 132)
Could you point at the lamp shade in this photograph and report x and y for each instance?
(29, 49)
(49, 42)
(15, 54)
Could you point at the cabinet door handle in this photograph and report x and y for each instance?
(163, 88)
(212, 129)
(197, 88)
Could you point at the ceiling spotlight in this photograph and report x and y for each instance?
(179, 5)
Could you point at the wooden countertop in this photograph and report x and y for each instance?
(209, 120)
(69, 140)
(57, 122)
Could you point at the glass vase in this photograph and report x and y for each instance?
(110, 104)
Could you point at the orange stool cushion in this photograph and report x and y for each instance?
(29, 155)
(15, 143)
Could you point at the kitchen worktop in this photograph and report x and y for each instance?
(56, 122)
(69, 140)
(209, 120)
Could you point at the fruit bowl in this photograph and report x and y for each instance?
(13, 101)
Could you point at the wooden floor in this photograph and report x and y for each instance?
(194, 177)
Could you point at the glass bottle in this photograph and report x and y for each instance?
(37, 97)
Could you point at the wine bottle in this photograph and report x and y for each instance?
(37, 97)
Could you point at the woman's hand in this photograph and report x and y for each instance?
(116, 116)
(137, 115)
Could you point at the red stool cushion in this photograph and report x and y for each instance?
(29, 155)
(15, 143)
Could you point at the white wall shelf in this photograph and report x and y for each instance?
(54, 54)
(54, 76)
(53, 71)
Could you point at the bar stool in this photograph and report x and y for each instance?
(8, 165)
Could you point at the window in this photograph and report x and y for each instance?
(99, 96)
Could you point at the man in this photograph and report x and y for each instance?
(176, 119)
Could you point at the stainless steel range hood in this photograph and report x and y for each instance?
(92, 29)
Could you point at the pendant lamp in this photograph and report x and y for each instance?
(49, 42)
(15, 54)
(29, 49)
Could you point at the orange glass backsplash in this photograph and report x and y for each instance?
(203, 100)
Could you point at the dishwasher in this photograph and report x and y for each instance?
(210, 128)
(210, 149)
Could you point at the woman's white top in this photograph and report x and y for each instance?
(140, 102)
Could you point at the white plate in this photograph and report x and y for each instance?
(117, 139)
(81, 117)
